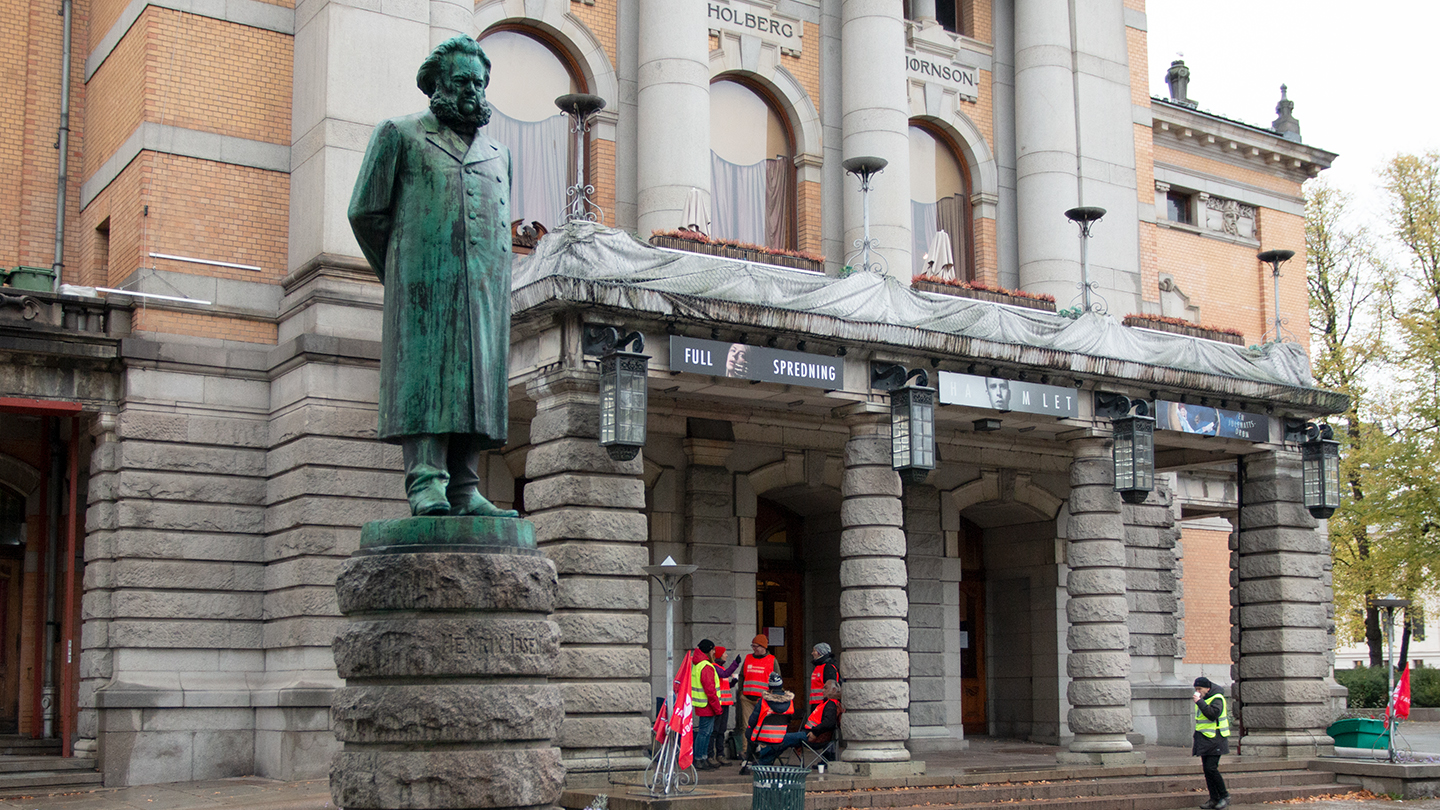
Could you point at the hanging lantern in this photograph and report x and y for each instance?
(1134, 454)
(912, 430)
(624, 397)
(1320, 470)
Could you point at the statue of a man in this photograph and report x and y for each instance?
(431, 211)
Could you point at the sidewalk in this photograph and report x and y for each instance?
(219, 794)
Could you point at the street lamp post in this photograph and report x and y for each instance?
(866, 167)
(580, 107)
(663, 777)
(1275, 258)
(1086, 216)
(1388, 604)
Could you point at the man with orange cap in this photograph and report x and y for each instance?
(755, 672)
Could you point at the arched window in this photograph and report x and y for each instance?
(752, 168)
(527, 75)
(939, 201)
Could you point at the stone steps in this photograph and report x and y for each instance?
(1181, 789)
(24, 776)
(15, 744)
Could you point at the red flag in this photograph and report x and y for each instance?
(1399, 705)
(682, 720)
(661, 721)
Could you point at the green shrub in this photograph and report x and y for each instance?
(1366, 685)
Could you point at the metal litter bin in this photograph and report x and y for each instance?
(778, 787)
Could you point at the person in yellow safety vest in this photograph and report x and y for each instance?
(823, 672)
(704, 699)
(727, 699)
(819, 728)
(772, 716)
(1212, 733)
(755, 671)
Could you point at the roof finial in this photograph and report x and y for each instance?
(1286, 125)
(1178, 77)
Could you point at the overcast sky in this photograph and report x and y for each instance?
(1365, 77)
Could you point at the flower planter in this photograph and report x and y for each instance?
(983, 295)
(737, 253)
(1182, 329)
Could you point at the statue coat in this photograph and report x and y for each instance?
(433, 218)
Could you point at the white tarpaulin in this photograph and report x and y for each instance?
(639, 271)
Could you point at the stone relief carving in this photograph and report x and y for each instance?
(1229, 217)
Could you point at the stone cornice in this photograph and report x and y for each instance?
(1219, 138)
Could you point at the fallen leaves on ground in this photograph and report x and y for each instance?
(1352, 796)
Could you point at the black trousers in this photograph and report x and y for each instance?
(1214, 782)
(717, 735)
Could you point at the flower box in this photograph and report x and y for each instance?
(744, 253)
(1179, 327)
(997, 296)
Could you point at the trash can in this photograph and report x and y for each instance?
(34, 279)
(1360, 732)
(778, 787)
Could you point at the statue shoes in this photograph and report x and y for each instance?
(473, 504)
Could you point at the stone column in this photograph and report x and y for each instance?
(1280, 653)
(673, 110)
(1045, 147)
(712, 532)
(877, 122)
(935, 723)
(874, 607)
(1098, 637)
(445, 658)
(923, 11)
(589, 519)
(449, 18)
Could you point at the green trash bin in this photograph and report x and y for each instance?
(778, 787)
(34, 279)
(1360, 732)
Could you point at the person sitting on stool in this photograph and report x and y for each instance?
(819, 728)
(771, 717)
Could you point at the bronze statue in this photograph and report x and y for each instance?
(431, 210)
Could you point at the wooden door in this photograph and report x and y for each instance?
(11, 573)
(972, 656)
(779, 603)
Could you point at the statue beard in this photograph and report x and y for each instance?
(447, 108)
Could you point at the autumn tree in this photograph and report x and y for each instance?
(1349, 288)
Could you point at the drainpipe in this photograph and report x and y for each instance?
(52, 550)
(63, 144)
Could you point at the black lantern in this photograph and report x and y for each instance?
(1134, 453)
(624, 393)
(1320, 470)
(912, 429)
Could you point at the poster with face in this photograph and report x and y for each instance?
(1187, 418)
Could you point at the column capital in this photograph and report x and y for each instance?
(708, 452)
(862, 413)
(563, 384)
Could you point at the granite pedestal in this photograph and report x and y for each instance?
(446, 655)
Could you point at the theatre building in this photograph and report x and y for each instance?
(888, 419)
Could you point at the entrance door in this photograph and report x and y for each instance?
(972, 657)
(780, 591)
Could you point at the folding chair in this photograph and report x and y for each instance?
(808, 756)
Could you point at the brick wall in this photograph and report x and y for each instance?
(1205, 585)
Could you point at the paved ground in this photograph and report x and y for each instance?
(985, 754)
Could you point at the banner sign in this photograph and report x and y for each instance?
(1000, 394)
(1207, 421)
(743, 18)
(760, 363)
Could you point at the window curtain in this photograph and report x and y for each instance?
(540, 155)
(737, 200)
(926, 219)
(922, 230)
(779, 191)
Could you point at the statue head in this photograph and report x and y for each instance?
(455, 76)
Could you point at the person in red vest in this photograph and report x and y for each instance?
(819, 728)
(727, 699)
(771, 718)
(755, 671)
(824, 672)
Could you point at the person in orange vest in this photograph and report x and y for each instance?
(755, 671)
(824, 672)
(819, 728)
(771, 718)
(704, 699)
(727, 699)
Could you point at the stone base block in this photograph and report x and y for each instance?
(1287, 746)
(596, 764)
(446, 780)
(1106, 758)
(912, 767)
(1404, 779)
